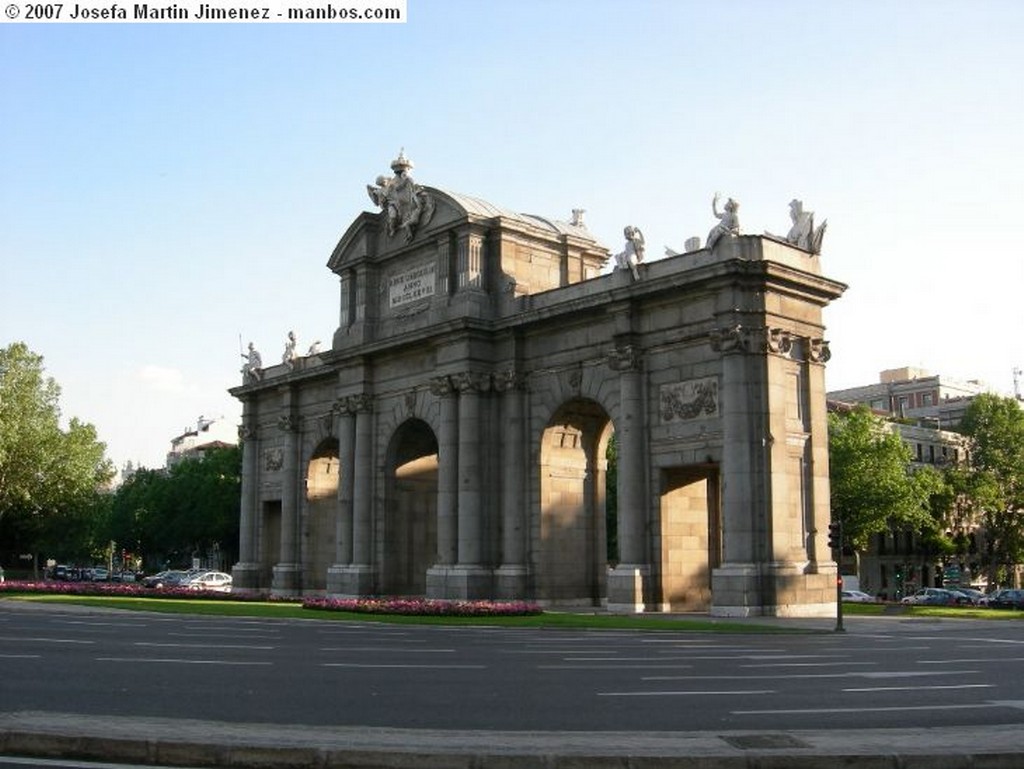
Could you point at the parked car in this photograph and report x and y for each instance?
(857, 596)
(973, 596)
(936, 596)
(99, 574)
(211, 580)
(168, 578)
(1007, 599)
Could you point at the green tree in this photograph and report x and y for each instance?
(995, 426)
(51, 479)
(167, 516)
(873, 487)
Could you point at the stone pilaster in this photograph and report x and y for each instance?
(627, 582)
(447, 489)
(512, 574)
(287, 579)
(355, 576)
(245, 574)
(346, 431)
(469, 578)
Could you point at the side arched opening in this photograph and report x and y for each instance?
(410, 517)
(572, 558)
(319, 536)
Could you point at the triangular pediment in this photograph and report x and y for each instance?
(358, 242)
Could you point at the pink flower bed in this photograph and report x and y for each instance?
(406, 606)
(424, 607)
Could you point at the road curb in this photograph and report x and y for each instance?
(184, 743)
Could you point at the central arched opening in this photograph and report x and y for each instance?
(319, 535)
(410, 520)
(573, 559)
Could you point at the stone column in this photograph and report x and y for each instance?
(346, 432)
(816, 355)
(245, 574)
(511, 576)
(470, 579)
(736, 584)
(627, 581)
(362, 487)
(288, 571)
(447, 489)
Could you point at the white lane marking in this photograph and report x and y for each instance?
(865, 710)
(20, 656)
(154, 644)
(697, 693)
(971, 660)
(396, 665)
(806, 664)
(24, 639)
(790, 676)
(917, 688)
(174, 661)
(614, 667)
(385, 649)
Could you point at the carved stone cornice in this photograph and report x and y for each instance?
(778, 340)
(625, 358)
(731, 339)
(352, 404)
(441, 386)
(817, 350)
(471, 381)
(509, 379)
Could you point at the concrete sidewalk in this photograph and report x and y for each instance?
(189, 743)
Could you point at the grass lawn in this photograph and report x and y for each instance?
(283, 610)
(547, 619)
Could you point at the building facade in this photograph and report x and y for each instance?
(452, 442)
(914, 393)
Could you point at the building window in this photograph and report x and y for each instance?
(926, 399)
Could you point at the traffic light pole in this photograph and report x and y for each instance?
(835, 541)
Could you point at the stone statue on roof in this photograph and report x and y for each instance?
(405, 204)
(728, 221)
(252, 369)
(633, 253)
(289, 356)
(803, 234)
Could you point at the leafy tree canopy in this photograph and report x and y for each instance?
(873, 489)
(49, 476)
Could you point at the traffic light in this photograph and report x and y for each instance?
(835, 536)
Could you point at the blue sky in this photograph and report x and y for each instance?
(167, 188)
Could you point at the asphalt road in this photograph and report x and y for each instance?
(882, 673)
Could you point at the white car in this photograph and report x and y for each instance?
(857, 596)
(210, 580)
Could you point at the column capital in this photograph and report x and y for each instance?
(509, 379)
(441, 386)
(247, 433)
(733, 338)
(353, 404)
(779, 341)
(471, 381)
(817, 350)
(627, 357)
(287, 423)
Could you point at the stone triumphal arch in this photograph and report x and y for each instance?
(453, 441)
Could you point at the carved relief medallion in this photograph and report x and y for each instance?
(691, 399)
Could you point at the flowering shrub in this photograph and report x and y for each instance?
(120, 590)
(424, 607)
(406, 606)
